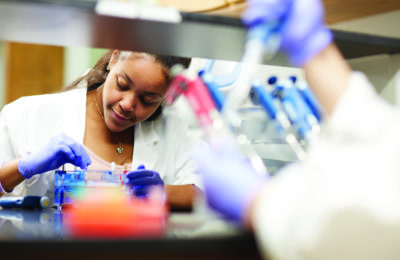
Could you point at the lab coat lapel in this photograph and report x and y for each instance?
(78, 132)
(144, 148)
(74, 114)
(67, 117)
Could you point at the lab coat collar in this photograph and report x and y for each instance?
(144, 152)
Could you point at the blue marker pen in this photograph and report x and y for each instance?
(27, 202)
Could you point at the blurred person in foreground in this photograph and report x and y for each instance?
(342, 201)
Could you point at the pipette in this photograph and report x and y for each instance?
(299, 113)
(260, 96)
(223, 80)
(216, 94)
(198, 96)
(27, 202)
(262, 41)
(196, 93)
(310, 99)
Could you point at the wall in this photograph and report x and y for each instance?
(385, 24)
(384, 73)
(382, 70)
(78, 60)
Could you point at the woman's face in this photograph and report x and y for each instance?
(133, 90)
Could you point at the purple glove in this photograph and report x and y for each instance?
(303, 31)
(60, 150)
(229, 180)
(141, 180)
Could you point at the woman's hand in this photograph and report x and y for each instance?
(60, 150)
(141, 180)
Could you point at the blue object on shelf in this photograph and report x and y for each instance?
(260, 96)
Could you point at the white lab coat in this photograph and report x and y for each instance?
(343, 201)
(30, 122)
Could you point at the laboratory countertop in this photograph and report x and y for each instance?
(33, 234)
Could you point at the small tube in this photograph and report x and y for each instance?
(112, 167)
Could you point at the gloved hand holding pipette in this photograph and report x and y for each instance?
(142, 180)
(302, 31)
(60, 150)
(230, 182)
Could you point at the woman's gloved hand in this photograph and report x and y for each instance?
(229, 180)
(303, 30)
(60, 150)
(141, 180)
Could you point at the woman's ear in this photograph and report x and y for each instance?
(113, 59)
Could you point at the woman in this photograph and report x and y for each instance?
(109, 115)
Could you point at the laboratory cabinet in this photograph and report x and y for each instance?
(76, 23)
